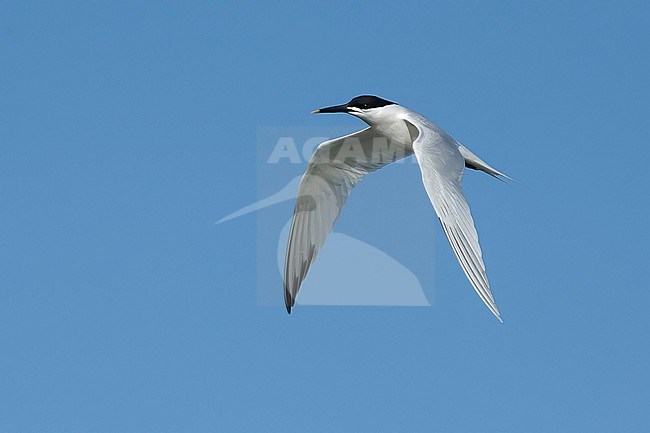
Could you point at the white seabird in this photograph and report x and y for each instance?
(337, 165)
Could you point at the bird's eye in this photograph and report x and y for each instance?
(364, 106)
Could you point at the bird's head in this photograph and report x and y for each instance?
(367, 107)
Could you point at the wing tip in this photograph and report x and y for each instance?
(288, 300)
(493, 308)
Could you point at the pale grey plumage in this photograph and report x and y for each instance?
(330, 177)
(323, 190)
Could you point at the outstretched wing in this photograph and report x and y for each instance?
(442, 165)
(334, 169)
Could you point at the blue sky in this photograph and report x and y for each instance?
(128, 128)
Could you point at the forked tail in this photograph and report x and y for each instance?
(475, 163)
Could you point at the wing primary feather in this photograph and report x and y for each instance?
(322, 193)
(442, 163)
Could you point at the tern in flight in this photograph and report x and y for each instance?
(337, 165)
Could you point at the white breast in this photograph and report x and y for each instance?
(389, 121)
